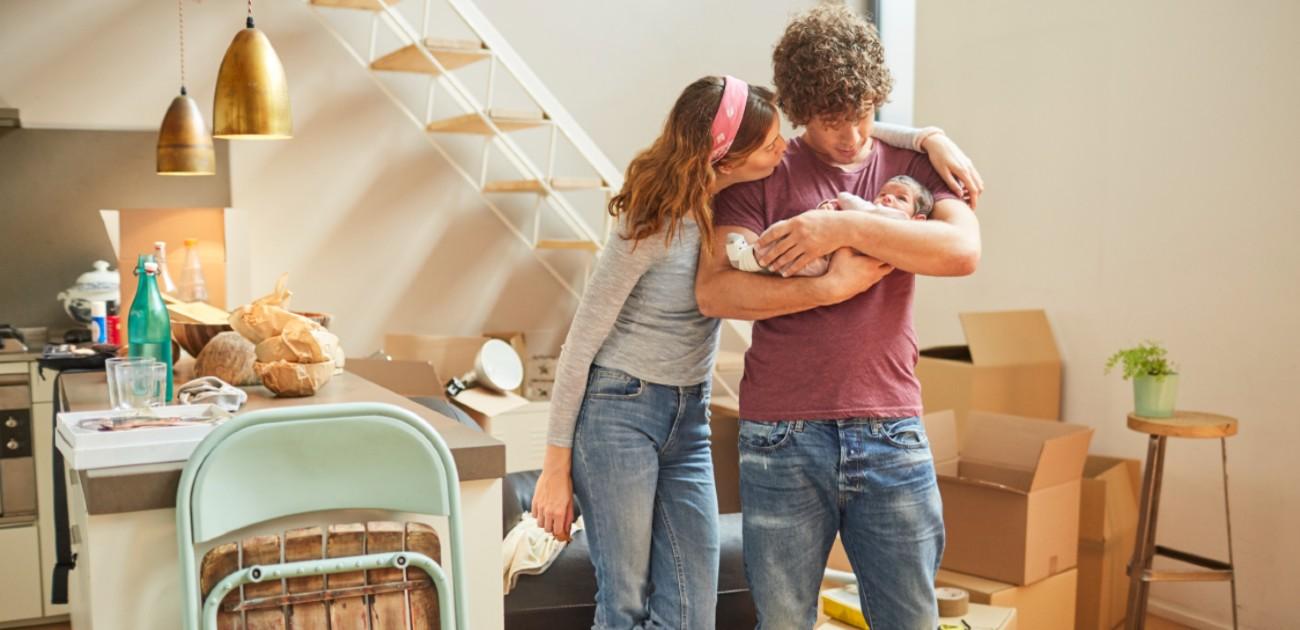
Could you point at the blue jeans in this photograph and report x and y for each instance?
(871, 480)
(643, 473)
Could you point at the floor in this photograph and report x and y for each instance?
(1153, 623)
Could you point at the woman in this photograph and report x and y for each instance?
(629, 427)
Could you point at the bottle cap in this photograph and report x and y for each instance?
(160, 245)
(191, 242)
(151, 268)
(98, 309)
(112, 307)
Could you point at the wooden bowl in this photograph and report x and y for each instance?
(193, 337)
(320, 318)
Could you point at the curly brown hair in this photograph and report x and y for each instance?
(830, 64)
(671, 180)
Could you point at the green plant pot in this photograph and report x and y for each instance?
(1154, 396)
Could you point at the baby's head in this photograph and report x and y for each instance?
(906, 195)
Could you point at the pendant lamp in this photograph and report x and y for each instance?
(252, 95)
(184, 146)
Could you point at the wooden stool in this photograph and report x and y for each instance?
(1184, 424)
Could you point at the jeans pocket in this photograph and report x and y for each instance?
(764, 435)
(613, 384)
(907, 433)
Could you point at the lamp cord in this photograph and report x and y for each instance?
(180, 12)
(250, 13)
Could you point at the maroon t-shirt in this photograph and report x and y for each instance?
(853, 359)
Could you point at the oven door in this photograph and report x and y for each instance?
(17, 468)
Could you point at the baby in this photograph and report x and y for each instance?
(901, 198)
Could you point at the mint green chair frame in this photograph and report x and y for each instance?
(270, 464)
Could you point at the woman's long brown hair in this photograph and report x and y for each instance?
(673, 178)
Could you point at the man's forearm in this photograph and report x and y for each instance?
(733, 294)
(931, 248)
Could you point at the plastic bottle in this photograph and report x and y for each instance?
(193, 289)
(160, 256)
(148, 327)
(98, 322)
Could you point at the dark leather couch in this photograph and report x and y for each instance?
(563, 598)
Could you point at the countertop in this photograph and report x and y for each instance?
(153, 486)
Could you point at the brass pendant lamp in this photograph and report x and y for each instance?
(252, 95)
(184, 146)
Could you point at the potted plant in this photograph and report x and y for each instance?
(1155, 379)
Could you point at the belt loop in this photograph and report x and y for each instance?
(798, 426)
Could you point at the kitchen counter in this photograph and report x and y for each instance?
(125, 514)
(152, 486)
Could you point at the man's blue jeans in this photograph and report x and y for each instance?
(643, 473)
(870, 480)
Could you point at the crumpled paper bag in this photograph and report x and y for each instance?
(288, 379)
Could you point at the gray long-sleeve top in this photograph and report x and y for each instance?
(639, 314)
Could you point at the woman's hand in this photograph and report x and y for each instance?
(553, 497)
(954, 167)
(788, 246)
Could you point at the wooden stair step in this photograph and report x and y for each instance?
(535, 185)
(451, 53)
(505, 120)
(589, 246)
(364, 5)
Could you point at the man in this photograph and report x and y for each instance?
(830, 436)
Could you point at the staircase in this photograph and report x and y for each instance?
(559, 222)
(433, 59)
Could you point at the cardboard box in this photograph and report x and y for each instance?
(845, 610)
(1048, 603)
(1108, 517)
(508, 417)
(1012, 508)
(724, 423)
(1010, 365)
(407, 378)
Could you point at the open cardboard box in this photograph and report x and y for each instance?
(1048, 603)
(421, 366)
(1010, 365)
(1011, 490)
(1108, 518)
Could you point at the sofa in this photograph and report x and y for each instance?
(563, 598)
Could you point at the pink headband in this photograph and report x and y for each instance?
(731, 109)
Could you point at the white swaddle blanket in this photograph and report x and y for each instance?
(529, 550)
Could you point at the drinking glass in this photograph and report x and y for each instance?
(141, 385)
(110, 372)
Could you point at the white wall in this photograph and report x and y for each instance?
(366, 217)
(1138, 157)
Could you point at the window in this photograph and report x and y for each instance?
(896, 21)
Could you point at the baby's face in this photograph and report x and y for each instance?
(898, 196)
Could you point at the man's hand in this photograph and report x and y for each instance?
(852, 273)
(788, 246)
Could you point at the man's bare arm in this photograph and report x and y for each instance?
(946, 245)
(724, 292)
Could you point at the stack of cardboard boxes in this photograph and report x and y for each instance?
(1033, 523)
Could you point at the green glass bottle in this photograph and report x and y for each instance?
(149, 327)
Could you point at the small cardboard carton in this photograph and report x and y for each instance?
(1010, 365)
(1011, 509)
(411, 379)
(1108, 518)
(1047, 603)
